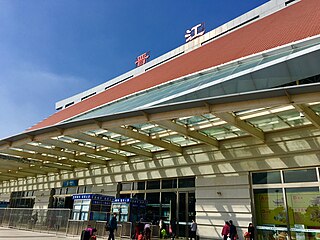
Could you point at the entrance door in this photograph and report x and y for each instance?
(185, 212)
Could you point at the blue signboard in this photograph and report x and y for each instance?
(70, 183)
(129, 200)
(4, 204)
(92, 196)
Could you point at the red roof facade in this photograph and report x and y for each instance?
(296, 22)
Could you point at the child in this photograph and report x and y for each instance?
(163, 233)
(140, 236)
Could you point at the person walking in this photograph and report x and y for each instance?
(193, 230)
(251, 231)
(147, 231)
(225, 230)
(173, 228)
(233, 231)
(113, 226)
(162, 229)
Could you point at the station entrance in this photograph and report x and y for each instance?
(167, 199)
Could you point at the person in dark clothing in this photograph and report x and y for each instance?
(113, 226)
(233, 231)
(173, 228)
(141, 225)
(251, 231)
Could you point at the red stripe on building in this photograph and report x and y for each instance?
(296, 22)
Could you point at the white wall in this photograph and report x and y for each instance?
(220, 198)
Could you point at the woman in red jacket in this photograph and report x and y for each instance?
(225, 230)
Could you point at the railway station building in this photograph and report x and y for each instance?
(224, 127)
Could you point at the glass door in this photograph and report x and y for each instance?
(185, 212)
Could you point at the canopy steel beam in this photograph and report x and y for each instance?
(62, 167)
(12, 168)
(14, 164)
(74, 163)
(6, 178)
(35, 156)
(35, 171)
(244, 126)
(309, 114)
(19, 166)
(111, 144)
(147, 139)
(63, 154)
(17, 174)
(186, 132)
(38, 156)
(87, 150)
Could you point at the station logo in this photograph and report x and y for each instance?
(195, 32)
(142, 59)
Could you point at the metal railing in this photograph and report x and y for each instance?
(42, 220)
(57, 221)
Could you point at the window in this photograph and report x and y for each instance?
(304, 209)
(153, 184)
(168, 205)
(186, 182)
(290, 209)
(63, 191)
(138, 196)
(89, 189)
(304, 175)
(81, 189)
(29, 193)
(266, 177)
(171, 183)
(126, 187)
(57, 191)
(153, 206)
(81, 209)
(72, 190)
(270, 211)
(139, 186)
(153, 198)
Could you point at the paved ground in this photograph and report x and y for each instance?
(10, 233)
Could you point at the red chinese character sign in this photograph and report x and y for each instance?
(195, 32)
(142, 59)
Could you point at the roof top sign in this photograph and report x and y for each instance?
(195, 32)
(142, 59)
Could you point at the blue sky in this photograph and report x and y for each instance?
(53, 49)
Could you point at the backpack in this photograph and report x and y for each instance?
(107, 227)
